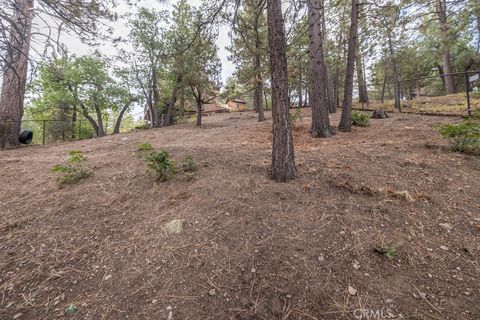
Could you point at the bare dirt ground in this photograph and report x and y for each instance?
(454, 104)
(251, 248)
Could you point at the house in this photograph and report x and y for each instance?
(237, 105)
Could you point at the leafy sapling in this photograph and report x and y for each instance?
(360, 119)
(74, 170)
(465, 135)
(160, 163)
(189, 164)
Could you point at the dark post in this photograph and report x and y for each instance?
(80, 130)
(467, 89)
(43, 135)
(398, 97)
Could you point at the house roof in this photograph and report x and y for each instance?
(239, 101)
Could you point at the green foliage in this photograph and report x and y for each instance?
(249, 42)
(76, 156)
(296, 115)
(160, 163)
(388, 252)
(145, 146)
(391, 252)
(71, 309)
(189, 164)
(360, 119)
(68, 88)
(464, 135)
(73, 171)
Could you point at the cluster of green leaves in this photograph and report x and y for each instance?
(67, 88)
(296, 115)
(189, 164)
(360, 119)
(160, 163)
(388, 251)
(175, 57)
(464, 135)
(74, 170)
(145, 146)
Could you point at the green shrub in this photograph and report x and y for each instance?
(73, 171)
(144, 126)
(296, 115)
(145, 146)
(360, 119)
(391, 252)
(464, 135)
(160, 163)
(189, 164)
(76, 156)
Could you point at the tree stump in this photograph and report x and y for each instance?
(379, 114)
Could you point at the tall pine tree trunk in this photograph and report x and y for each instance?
(15, 74)
(446, 60)
(299, 88)
(346, 119)
(258, 94)
(393, 61)
(283, 158)
(362, 86)
(330, 91)
(318, 98)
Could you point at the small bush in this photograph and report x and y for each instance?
(160, 163)
(391, 252)
(76, 156)
(73, 171)
(144, 126)
(296, 115)
(145, 146)
(464, 135)
(189, 164)
(360, 119)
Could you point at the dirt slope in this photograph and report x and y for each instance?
(308, 249)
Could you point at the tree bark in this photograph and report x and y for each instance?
(446, 60)
(283, 158)
(258, 94)
(118, 123)
(318, 98)
(346, 119)
(299, 87)
(74, 121)
(393, 60)
(330, 91)
(199, 112)
(362, 86)
(384, 84)
(258, 100)
(156, 100)
(90, 119)
(15, 74)
(168, 120)
(100, 127)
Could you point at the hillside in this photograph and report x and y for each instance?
(385, 218)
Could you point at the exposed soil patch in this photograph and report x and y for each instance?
(343, 236)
